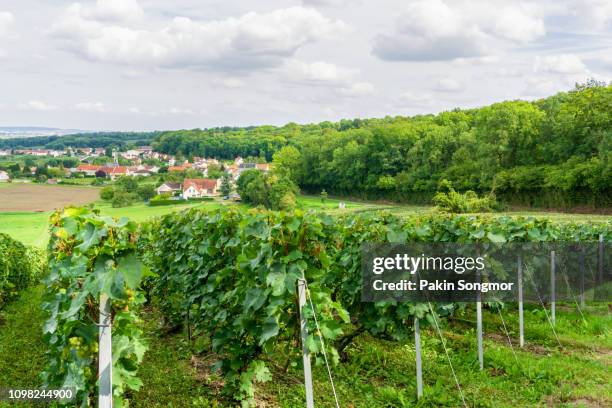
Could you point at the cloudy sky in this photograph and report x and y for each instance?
(159, 64)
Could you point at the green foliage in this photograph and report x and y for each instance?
(559, 147)
(448, 200)
(271, 191)
(107, 193)
(122, 198)
(90, 255)
(323, 196)
(146, 192)
(226, 185)
(160, 202)
(287, 163)
(235, 273)
(127, 184)
(19, 267)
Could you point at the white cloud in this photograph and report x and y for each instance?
(179, 111)
(323, 72)
(565, 64)
(435, 30)
(509, 72)
(114, 10)
(251, 41)
(449, 85)
(37, 106)
(232, 83)
(327, 3)
(592, 14)
(6, 20)
(90, 107)
(466, 62)
(358, 89)
(320, 73)
(412, 99)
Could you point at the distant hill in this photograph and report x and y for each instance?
(10, 132)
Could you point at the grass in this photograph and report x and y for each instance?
(21, 346)
(377, 372)
(30, 227)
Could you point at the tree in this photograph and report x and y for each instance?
(253, 188)
(123, 198)
(107, 193)
(214, 171)
(226, 185)
(146, 192)
(108, 151)
(127, 184)
(287, 163)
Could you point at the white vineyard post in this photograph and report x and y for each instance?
(105, 356)
(479, 330)
(552, 287)
(419, 364)
(479, 324)
(581, 266)
(600, 260)
(305, 353)
(520, 303)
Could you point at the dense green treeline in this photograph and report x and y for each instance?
(552, 152)
(97, 139)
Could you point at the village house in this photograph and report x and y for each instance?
(131, 154)
(182, 167)
(265, 167)
(117, 171)
(88, 169)
(196, 188)
(169, 188)
(4, 177)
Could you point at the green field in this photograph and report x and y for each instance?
(31, 227)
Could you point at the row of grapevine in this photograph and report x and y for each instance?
(234, 274)
(90, 256)
(20, 266)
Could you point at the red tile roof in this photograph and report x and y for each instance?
(200, 184)
(88, 167)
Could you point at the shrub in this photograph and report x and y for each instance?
(162, 202)
(19, 266)
(123, 199)
(146, 192)
(107, 193)
(449, 200)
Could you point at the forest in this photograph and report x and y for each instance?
(553, 152)
(96, 139)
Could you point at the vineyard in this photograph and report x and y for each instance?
(229, 279)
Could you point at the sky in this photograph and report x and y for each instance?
(182, 64)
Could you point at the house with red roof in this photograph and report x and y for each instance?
(88, 169)
(196, 188)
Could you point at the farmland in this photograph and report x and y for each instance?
(39, 197)
(25, 212)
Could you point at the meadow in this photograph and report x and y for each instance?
(19, 219)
